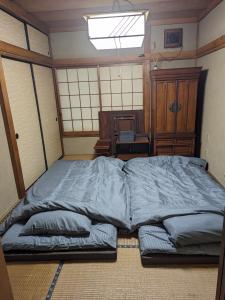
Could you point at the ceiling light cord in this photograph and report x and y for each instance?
(117, 5)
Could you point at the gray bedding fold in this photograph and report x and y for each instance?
(194, 229)
(162, 187)
(93, 188)
(101, 236)
(155, 240)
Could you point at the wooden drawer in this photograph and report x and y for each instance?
(183, 150)
(184, 142)
(167, 150)
(165, 142)
(179, 146)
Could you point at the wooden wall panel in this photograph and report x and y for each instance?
(12, 30)
(38, 41)
(48, 112)
(25, 118)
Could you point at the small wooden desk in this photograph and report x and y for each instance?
(140, 147)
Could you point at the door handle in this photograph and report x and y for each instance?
(175, 107)
(17, 136)
(172, 107)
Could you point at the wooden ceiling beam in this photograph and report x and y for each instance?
(50, 5)
(172, 21)
(155, 20)
(210, 7)
(17, 11)
(161, 7)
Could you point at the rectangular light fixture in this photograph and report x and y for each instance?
(117, 30)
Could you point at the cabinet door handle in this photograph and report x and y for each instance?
(17, 136)
(175, 107)
(171, 107)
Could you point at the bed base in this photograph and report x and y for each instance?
(77, 255)
(173, 259)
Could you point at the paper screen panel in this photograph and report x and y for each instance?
(121, 87)
(48, 111)
(38, 41)
(25, 118)
(8, 189)
(12, 31)
(79, 98)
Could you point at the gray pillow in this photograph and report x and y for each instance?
(194, 229)
(58, 222)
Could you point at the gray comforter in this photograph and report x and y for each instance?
(162, 187)
(95, 188)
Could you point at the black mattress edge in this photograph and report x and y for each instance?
(77, 255)
(175, 259)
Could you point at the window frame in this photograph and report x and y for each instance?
(98, 66)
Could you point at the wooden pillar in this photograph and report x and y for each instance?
(220, 292)
(5, 287)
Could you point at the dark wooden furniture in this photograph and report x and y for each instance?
(220, 291)
(140, 147)
(174, 100)
(111, 123)
(5, 287)
(103, 147)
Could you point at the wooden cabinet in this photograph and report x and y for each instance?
(174, 110)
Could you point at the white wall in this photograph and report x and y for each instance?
(213, 25)
(189, 36)
(77, 45)
(213, 130)
(79, 145)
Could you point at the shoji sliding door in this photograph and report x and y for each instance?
(48, 112)
(25, 118)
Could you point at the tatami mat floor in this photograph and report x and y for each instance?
(125, 279)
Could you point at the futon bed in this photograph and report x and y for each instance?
(177, 208)
(74, 206)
